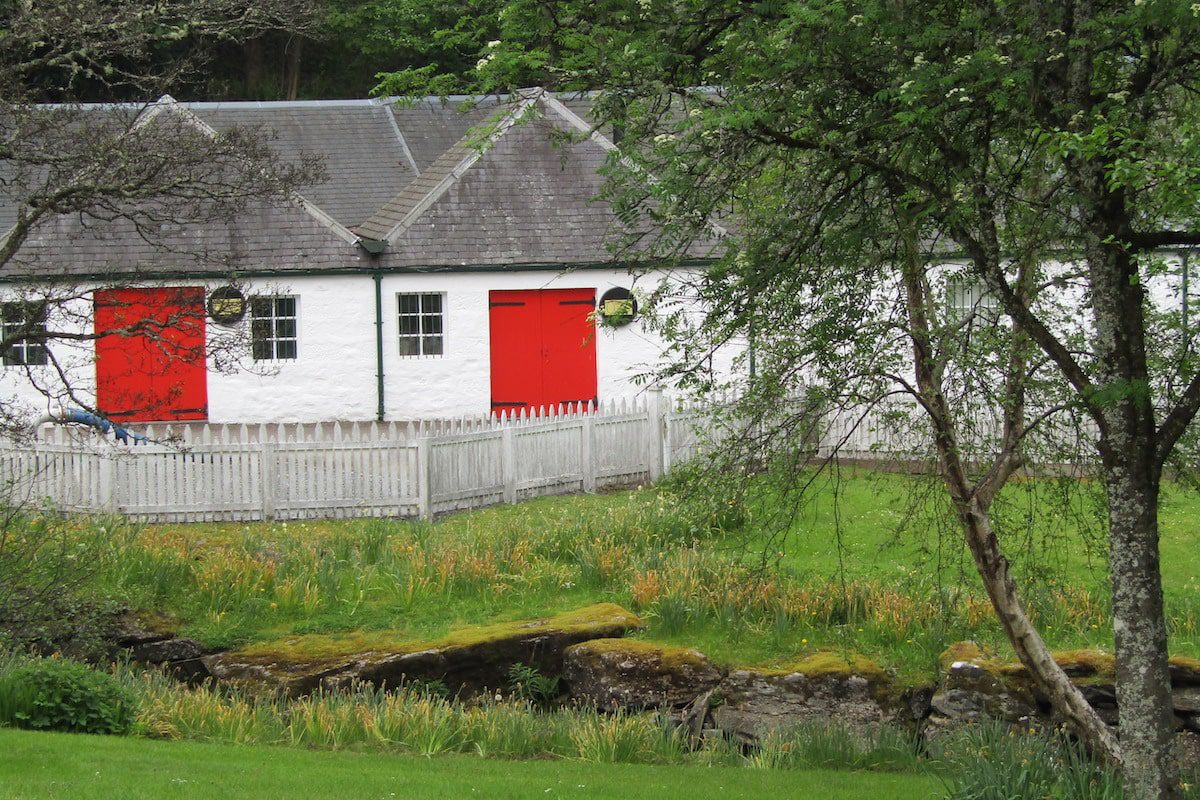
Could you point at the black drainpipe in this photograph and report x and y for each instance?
(378, 276)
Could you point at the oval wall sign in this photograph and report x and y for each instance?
(618, 307)
(226, 305)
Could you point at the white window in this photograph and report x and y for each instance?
(966, 296)
(421, 324)
(26, 322)
(273, 328)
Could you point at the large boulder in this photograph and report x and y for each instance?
(615, 674)
(823, 688)
(467, 661)
(970, 693)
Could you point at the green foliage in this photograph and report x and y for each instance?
(47, 599)
(529, 684)
(61, 695)
(996, 762)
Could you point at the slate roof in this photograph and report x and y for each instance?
(431, 126)
(414, 176)
(359, 141)
(528, 198)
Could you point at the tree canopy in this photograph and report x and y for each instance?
(865, 151)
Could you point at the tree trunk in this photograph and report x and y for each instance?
(1065, 698)
(253, 60)
(972, 506)
(1139, 627)
(1124, 410)
(291, 80)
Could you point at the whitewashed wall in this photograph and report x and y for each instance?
(459, 381)
(334, 375)
(31, 392)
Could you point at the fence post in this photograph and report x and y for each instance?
(424, 480)
(588, 452)
(658, 461)
(266, 473)
(508, 458)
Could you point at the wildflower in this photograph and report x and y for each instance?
(493, 44)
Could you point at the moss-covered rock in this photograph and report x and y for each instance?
(615, 674)
(819, 688)
(132, 628)
(467, 660)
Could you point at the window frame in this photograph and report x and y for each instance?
(32, 315)
(982, 305)
(275, 339)
(421, 336)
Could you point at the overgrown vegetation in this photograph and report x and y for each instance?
(60, 695)
(868, 568)
(864, 569)
(991, 761)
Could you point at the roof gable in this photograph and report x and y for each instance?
(526, 195)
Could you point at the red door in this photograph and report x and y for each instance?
(150, 361)
(543, 348)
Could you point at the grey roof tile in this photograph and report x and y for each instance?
(364, 160)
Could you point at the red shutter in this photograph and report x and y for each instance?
(150, 354)
(543, 348)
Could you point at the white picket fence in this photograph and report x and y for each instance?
(197, 472)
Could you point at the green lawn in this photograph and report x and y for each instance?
(48, 765)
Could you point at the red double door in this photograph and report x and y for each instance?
(543, 348)
(150, 354)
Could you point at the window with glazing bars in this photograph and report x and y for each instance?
(273, 328)
(23, 319)
(421, 324)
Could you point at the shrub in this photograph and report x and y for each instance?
(530, 685)
(59, 695)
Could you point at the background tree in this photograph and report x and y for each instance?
(1050, 147)
(149, 167)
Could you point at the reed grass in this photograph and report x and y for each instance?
(849, 580)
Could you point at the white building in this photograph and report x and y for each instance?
(434, 273)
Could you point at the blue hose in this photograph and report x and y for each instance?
(123, 435)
